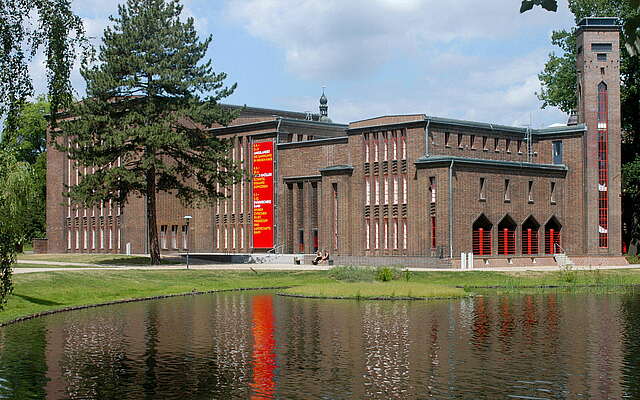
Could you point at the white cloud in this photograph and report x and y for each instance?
(343, 39)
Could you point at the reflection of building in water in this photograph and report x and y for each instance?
(264, 360)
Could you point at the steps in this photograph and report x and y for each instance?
(563, 260)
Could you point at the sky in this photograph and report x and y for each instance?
(464, 59)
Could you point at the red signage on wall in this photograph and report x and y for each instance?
(263, 195)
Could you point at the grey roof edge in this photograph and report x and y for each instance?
(318, 124)
(603, 23)
(337, 168)
(493, 163)
(393, 115)
(314, 142)
(242, 127)
(472, 124)
(302, 178)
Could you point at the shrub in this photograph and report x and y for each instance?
(352, 274)
(386, 274)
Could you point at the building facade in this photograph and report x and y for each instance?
(417, 188)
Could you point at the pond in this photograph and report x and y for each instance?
(261, 346)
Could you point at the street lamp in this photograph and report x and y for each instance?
(187, 219)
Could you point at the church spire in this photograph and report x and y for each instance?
(324, 108)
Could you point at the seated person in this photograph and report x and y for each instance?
(317, 259)
(325, 257)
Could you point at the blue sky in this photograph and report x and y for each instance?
(465, 59)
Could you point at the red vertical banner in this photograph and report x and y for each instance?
(263, 195)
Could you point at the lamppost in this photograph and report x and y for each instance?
(187, 219)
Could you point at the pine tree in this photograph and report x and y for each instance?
(142, 125)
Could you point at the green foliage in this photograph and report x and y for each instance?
(558, 79)
(386, 274)
(16, 198)
(567, 274)
(549, 5)
(352, 274)
(58, 33)
(142, 129)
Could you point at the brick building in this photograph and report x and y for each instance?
(417, 188)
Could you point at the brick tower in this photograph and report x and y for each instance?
(598, 68)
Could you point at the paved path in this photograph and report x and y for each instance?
(60, 266)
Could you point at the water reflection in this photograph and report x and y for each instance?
(247, 345)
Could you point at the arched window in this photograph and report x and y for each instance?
(530, 243)
(507, 236)
(482, 236)
(552, 231)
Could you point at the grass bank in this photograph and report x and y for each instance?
(98, 259)
(44, 291)
(376, 290)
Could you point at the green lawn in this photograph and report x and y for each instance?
(99, 259)
(40, 291)
(368, 290)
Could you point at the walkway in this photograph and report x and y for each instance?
(60, 266)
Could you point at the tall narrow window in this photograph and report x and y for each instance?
(432, 188)
(367, 198)
(460, 137)
(385, 234)
(375, 147)
(552, 191)
(405, 234)
(433, 231)
(404, 145)
(335, 216)
(507, 190)
(386, 189)
(367, 234)
(376, 235)
(507, 145)
(447, 136)
(496, 145)
(519, 146)
(163, 236)
(556, 146)
(366, 147)
(404, 189)
(218, 244)
(301, 240)
(530, 192)
(603, 166)
(395, 189)
(395, 146)
(472, 140)
(482, 236)
(233, 237)
(482, 189)
(377, 189)
(484, 143)
(174, 236)
(69, 240)
(242, 237)
(385, 144)
(395, 233)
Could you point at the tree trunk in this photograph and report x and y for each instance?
(154, 247)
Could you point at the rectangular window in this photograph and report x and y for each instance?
(404, 145)
(496, 145)
(367, 198)
(482, 189)
(530, 192)
(433, 232)
(301, 240)
(242, 237)
(85, 239)
(395, 146)
(601, 47)
(432, 188)
(385, 234)
(367, 234)
(507, 190)
(385, 147)
(460, 136)
(69, 240)
(472, 140)
(386, 189)
(395, 189)
(174, 236)
(376, 236)
(395, 233)
(93, 238)
(366, 147)
(557, 151)
(375, 147)
(507, 145)
(218, 237)
(405, 235)
(226, 238)
(552, 192)
(447, 136)
(519, 146)
(185, 244)
(77, 239)
(111, 237)
(163, 236)
(233, 237)
(404, 189)
(377, 189)
(102, 238)
(602, 56)
(484, 143)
